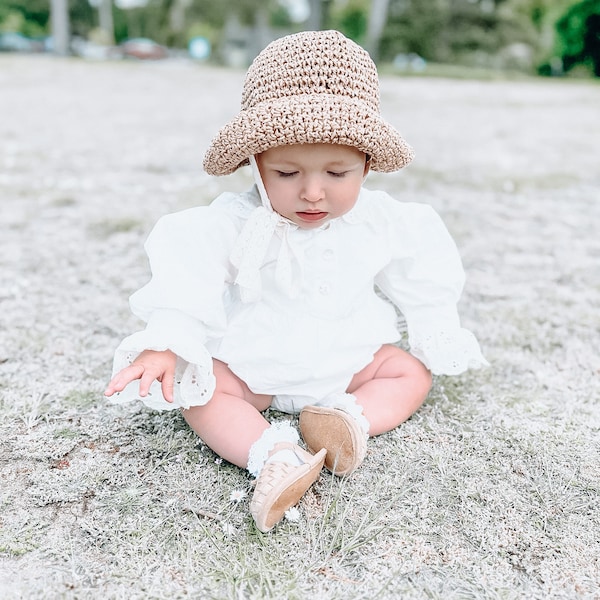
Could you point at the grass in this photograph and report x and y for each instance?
(464, 496)
(165, 500)
(489, 492)
(474, 73)
(462, 72)
(107, 227)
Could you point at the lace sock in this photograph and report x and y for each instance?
(259, 451)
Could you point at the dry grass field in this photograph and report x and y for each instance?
(491, 491)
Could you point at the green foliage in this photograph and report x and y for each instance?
(200, 29)
(83, 17)
(12, 20)
(246, 9)
(468, 32)
(448, 31)
(573, 27)
(29, 18)
(209, 12)
(280, 18)
(351, 19)
(37, 11)
(32, 17)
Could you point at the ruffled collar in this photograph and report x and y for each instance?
(251, 247)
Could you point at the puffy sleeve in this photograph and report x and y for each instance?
(424, 279)
(182, 304)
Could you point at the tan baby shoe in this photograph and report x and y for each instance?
(337, 432)
(280, 485)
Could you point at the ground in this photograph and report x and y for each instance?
(490, 491)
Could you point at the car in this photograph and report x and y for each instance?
(143, 49)
(12, 41)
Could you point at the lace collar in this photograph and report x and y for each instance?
(249, 252)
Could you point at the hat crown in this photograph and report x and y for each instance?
(312, 62)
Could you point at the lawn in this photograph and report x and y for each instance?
(492, 490)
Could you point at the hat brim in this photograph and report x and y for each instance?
(307, 119)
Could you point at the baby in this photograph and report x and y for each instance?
(268, 298)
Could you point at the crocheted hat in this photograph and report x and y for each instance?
(308, 88)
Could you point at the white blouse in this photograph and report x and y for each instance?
(295, 311)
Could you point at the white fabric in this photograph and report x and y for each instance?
(292, 404)
(259, 451)
(312, 318)
(252, 245)
(346, 402)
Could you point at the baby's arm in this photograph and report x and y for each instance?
(147, 367)
(424, 280)
(189, 258)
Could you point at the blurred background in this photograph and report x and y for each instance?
(438, 37)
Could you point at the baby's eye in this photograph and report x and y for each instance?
(337, 173)
(286, 173)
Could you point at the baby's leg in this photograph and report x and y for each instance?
(390, 389)
(380, 397)
(231, 420)
(231, 424)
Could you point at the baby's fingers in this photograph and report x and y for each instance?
(123, 378)
(167, 387)
(146, 380)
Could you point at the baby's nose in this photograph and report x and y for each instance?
(312, 190)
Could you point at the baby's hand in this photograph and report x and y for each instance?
(147, 367)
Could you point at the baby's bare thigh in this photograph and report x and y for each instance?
(389, 362)
(229, 383)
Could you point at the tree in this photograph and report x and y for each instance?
(319, 14)
(61, 33)
(105, 17)
(377, 19)
(579, 35)
(31, 18)
(471, 32)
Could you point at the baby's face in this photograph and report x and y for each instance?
(310, 184)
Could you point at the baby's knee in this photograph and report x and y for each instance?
(226, 381)
(425, 377)
(421, 373)
(414, 369)
(228, 384)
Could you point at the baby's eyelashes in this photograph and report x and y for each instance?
(292, 173)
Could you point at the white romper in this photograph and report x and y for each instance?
(292, 311)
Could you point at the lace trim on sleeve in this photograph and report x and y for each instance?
(194, 383)
(447, 352)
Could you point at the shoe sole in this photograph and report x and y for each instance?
(344, 457)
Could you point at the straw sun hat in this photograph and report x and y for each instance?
(308, 88)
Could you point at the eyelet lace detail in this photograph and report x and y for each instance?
(251, 248)
(194, 384)
(447, 352)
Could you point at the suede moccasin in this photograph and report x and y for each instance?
(280, 485)
(337, 432)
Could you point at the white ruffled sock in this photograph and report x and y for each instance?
(347, 403)
(259, 451)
